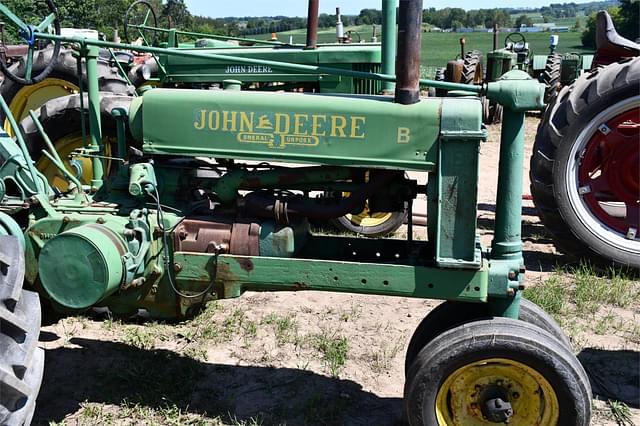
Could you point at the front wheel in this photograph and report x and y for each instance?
(497, 371)
(585, 168)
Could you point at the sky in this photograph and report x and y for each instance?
(223, 8)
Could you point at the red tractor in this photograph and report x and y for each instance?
(585, 168)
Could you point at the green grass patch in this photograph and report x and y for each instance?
(334, 350)
(551, 295)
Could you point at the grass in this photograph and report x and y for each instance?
(620, 413)
(439, 48)
(334, 348)
(575, 295)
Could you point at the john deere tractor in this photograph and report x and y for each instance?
(198, 208)
(120, 74)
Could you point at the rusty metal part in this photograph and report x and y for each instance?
(219, 236)
(408, 59)
(312, 24)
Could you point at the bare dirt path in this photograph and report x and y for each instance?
(302, 358)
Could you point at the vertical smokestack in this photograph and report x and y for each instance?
(339, 26)
(495, 36)
(408, 59)
(312, 24)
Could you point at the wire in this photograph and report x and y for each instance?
(165, 253)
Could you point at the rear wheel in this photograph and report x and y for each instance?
(497, 371)
(61, 121)
(472, 68)
(551, 77)
(62, 81)
(21, 360)
(585, 170)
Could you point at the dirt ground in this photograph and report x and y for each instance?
(307, 357)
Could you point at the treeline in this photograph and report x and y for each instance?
(453, 17)
(567, 10)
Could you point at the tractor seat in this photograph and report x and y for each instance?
(608, 40)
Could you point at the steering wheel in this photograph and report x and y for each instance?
(137, 16)
(27, 33)
(517, 41)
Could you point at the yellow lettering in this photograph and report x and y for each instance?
(199, 124)
(356, 121)
(335, 127)
(283, 123)
(316, 124)
(246, 122)
(404, 135)
(214, 120)
(226, 120)
(299, 120)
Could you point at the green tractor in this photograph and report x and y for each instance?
(122, 73)
(178, 224)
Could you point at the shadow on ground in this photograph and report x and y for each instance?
(614, 374)
(115, 373)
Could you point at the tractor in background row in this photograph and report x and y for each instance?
(176, 224)
(122, 73)
(585, 167)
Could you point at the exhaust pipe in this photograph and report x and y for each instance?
(312, 24)
(408, 59)
(339, 26)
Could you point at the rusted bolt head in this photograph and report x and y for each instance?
(513, 275)
(511, 292)
(177, 267)
(66, 219)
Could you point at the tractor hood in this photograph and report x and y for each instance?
(338, 130)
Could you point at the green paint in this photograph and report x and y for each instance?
(292, 127)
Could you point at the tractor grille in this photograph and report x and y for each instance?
(363, 86)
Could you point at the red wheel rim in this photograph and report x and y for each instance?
(609, 172)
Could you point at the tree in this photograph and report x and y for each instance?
(625, 19)
(523, 21)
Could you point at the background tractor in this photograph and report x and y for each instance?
(122, 73)
(586, 157)
(177, 224)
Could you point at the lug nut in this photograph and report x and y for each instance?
(177, 267)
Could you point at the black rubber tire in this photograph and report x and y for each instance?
(575, 107)
(66, 68)
(449, 314)
(472, 68)
(551, 77)
(16, 74)
(21, 360)
(60, 117)
(395, 221)
(440, 76)
(497, 338)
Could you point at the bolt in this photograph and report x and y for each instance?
(182, 234)
(138, 282)
(100, 220)
(515, 395)
(513, 275)
(66, 219)
(177, 267)
(511, 292)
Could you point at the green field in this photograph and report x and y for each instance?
(438, 48)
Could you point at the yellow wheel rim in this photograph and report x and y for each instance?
(532, 398)
(65, 146)
(33, 96)
(367, 219)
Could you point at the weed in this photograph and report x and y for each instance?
(620, 412)
(593, 291)
(334, 349)
(138, 337)
(382, 358)
(550, 295)
(284, 327)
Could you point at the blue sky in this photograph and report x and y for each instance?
(222, 8)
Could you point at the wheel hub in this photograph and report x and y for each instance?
(609, 173)
(495, 405)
